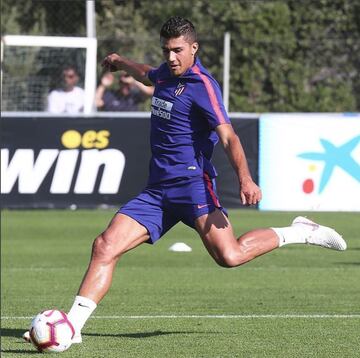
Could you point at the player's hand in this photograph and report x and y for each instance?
(110, 62)
(250, 193)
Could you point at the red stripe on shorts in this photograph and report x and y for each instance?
(211, 190)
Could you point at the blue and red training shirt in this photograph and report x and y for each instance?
(185, 110)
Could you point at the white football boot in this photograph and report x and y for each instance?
(26, 336)
(320, 235)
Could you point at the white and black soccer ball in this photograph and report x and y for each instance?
(51, 331)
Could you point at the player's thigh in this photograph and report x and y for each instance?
(217, 235)
(124, 233)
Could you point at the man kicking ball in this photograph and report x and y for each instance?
(187, 120)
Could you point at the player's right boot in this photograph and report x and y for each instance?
(316, 234)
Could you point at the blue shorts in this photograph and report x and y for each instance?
(159, 207)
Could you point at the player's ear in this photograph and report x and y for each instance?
(194, 48)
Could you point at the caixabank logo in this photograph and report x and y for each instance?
(83, 160)
(310, 162)
(331, 157)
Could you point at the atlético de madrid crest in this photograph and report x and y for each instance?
(179, 89)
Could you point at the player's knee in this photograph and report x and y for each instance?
(229, 259)
(103, 248)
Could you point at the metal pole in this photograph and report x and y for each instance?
(90, 66)
(90, 19)
(2, 61)
(226, 74)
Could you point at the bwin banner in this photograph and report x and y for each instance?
(72, 162)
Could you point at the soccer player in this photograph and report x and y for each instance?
(187, 120)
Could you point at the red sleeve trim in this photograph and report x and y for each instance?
(213, 99)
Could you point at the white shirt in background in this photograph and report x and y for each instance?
(71, 102)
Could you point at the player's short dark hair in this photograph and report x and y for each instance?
(177, 26)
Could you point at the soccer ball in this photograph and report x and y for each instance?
(51, 331)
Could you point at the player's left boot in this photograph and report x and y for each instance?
(26, 336)
(316, 234)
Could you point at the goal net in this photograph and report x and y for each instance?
(32, 67)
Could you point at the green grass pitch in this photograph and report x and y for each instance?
(297, 301)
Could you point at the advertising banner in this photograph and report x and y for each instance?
(72, 162)
(54, 162)
(310, 162)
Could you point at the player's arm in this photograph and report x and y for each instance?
(139, 71)
(250, 193)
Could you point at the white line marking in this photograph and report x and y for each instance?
(213, 316)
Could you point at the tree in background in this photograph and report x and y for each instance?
(287, 56)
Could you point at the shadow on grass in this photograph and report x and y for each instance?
(349, 263)
(13, 332)
(142, 334)
(17, 333)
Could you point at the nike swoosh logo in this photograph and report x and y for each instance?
(314, 226)
(160, 81)
(81, 305)
(202, 206)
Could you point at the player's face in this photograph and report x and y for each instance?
(179, 54)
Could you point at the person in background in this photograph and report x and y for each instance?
(68, 98)
(126, 97)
